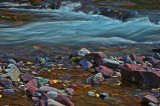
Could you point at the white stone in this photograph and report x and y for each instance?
(83, 52)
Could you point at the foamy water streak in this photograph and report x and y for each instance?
(68, 27)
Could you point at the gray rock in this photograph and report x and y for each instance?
(156, 56)
(8, 92)
(104, 95)
(41, 81)
(46, 89)
(96, 79)
(1, 69)
(38, 94)
(35, 99)
(110, 63)
(13, 72)
(86, 64)
(52, 94)
(12, 61)
(127, 59)
(150, 98)
(90, 93)
(152, 104)
(70, 91)
(5, 82)
(83, 52)
(51, 102)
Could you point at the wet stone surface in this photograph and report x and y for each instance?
(66, 81)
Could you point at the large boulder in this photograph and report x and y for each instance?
(141, 74)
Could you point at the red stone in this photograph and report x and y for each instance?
(32, 82)
(150, 98)
(31, 90)
(141, 74)
(106, 72)
(26, 77)
(97, 57)
(46, 89)
(64, 100)
(35, 99)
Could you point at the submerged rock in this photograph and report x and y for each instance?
(117, 14)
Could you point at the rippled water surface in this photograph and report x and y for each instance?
(63, 26)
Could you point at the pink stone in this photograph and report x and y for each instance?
(150, 98)
(106, 72)
(35, 99)
(97, 57)
(26, 77)
(31, 90)
(46, 89)
(64, 100)
(32, 82)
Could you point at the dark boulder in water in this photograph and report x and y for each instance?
(141, 74)
(121, 15)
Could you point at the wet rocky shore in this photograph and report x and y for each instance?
(80, 75)
(37, 75)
